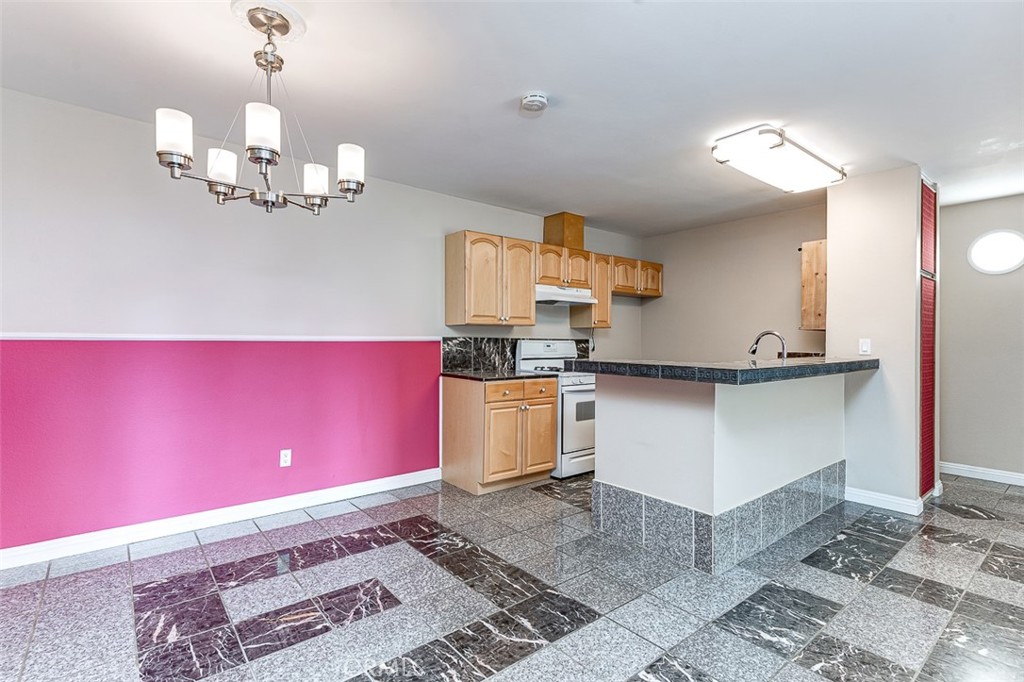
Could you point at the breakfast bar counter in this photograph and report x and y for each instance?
(710, 462)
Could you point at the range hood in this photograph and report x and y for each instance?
(551, 295)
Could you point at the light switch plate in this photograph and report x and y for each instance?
(864, 346)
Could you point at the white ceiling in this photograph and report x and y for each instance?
(638, 91)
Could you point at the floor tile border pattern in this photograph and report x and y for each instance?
(714, 544)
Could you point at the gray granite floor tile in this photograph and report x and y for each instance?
(236, 549)
(643, 569)
(669, 668)
(971, 650)
(995, 587)
(483, 529)
(822, 583)
(607, 651)
(450, 608)
(656, 620)
(547, 664)
(323, 511)
(159, 566)
(942, 563)
(976, 527)
(412, 491)
(170, 543)
(296, 534)
(95, 638)
(968, 482)
(600, 591)
(556, 533)
(553, 566)
(727, 658)
(392, 511)
(583, 521)
(326, 657)
(375, 640)
(598, 549)
(18, 608)
(251, 600)
(415, 580)
(519, 518)
(374, 500)
(839, 661)
(1012, 535)
(288, 518)
(550, 507)
(911, 627)
(19, 575)
(709, 596)
(334, 575)
(791, 672)
(239, 674)
(346, 523)
(88, 561)
(513, 547)
(226, 531)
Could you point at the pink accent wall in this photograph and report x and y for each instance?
(99, 434)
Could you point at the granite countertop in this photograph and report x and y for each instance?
(736, 373)
(484, 375)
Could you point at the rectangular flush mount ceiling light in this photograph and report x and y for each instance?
(764, 152)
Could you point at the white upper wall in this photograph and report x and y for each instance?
(123, 249)
(981, 337)
(725, 283)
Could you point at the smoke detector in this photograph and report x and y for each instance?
(534, 102)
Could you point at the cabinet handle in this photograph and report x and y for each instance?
(506, 392)
(543, 390)
(522, 407)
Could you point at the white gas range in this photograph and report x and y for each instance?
(575, 436)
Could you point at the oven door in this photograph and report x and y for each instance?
(577, 419)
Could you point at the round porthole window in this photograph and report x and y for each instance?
(997, 252)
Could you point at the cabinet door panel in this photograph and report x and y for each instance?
(550, 268)
(501, 441)
(813, 284)
(519, 285)
(624, 276)
(484, 281)
(540, 424)
(650, 279)
(578, 268)
(602, 289)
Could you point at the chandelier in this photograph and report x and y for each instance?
(262, 143)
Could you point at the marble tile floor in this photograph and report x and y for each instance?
(431, 583)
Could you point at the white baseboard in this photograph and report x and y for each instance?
(938, 489)
(997, 475)
(904, 505)
(149, 530)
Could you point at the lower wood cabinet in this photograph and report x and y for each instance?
(497, 434)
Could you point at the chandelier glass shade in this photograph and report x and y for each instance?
(174, 146)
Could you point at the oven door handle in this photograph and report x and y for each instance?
(578, 389)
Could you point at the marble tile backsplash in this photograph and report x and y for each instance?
(716, 543)
(487, 354)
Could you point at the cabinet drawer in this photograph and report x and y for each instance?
(495, 391)
(540, 388)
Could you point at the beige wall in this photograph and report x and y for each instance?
(981, 342)
(873, 266)
(725, 283)
(122, 249)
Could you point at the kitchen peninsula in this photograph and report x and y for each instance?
(710, 462)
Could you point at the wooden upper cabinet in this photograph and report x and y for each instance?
(550, 264)
(489, 280)
(813, 284)
(519, 290)
(636, 277)
(540, 424)
(598, 315)
(563, 267)
(650, 278)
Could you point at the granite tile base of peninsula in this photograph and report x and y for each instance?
(714, 544)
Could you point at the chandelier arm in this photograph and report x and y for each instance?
(201, 178)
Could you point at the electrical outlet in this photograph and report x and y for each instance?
(286, 457)
(864, 346)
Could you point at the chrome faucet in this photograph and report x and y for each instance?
(768, 332)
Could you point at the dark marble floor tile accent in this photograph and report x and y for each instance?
(435, 660)
(1005, 561)
(839, 661)
(471, 563)
(575, 491)
(167, 591)
(671, 668)
(312, 554)
(507, 587)
(356, 602)
(969, 511)
(841, 563)
(433, 545)
(921, 589)
(496, 642)
(414, 527)
(971, 650)
(991, 611)
(553, 615)
(168, 624)
(881, 529)
(957, 539)
(194, 658)
(779, 618)
(366, 539)
(245, 571)
(281, 628)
